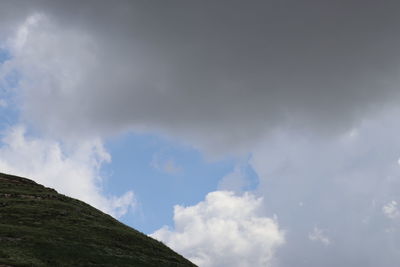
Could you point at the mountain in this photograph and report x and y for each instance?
(39, 227)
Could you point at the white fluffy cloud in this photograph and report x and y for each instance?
(224, 230)
(72, 170)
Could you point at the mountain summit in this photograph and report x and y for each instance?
(39, 227)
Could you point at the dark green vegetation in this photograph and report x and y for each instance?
(39, 227)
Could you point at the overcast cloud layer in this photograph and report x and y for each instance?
(200, 70)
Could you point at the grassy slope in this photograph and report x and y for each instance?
(39, 227)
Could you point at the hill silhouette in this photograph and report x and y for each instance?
(39, 227)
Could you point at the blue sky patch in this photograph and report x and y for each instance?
(132, 168)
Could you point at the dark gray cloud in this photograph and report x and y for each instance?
(219, 74)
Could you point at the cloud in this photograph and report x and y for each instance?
(120, 206)
(391, 210)
(236, 181)
(345, 187)
(318, 235)
(224, 230)
(50, 64)
(72, 170)
(166, 165)
(198, 71)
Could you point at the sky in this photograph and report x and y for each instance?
(239, 133)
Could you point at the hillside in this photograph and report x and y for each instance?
(39, 227)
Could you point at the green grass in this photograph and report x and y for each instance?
(39, 227)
